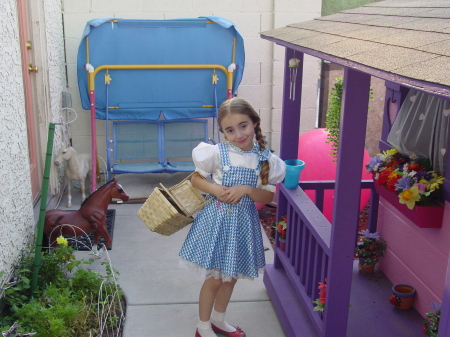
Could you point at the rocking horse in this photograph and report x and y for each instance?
(78, 166)
(91, 217)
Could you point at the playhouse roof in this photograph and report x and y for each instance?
(404, 41)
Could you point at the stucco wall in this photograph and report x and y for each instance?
(16, 209)
(262, 80)
(17, 223)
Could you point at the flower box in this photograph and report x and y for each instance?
(422, 216)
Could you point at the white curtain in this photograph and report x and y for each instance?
(422, 127)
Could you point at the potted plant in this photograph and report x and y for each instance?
(280, 227)
(431, 322)
(409, 183)
(369, 248)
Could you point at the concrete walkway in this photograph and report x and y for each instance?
(162, 298)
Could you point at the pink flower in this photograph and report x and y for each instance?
(421, 187)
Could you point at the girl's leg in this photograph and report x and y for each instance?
(208, 294)
(207, 297)
(223, 295)
(220, 306)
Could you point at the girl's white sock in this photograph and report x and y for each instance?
(218, 319)
(204, 329)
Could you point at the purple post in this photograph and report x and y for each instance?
(290, 121)
(444, 321)
(355, 103)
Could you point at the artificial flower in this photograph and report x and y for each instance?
(281, 226)
(320, 302)
(409, 197)
(409, 176)
(62, 241)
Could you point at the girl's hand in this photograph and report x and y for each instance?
(233, 195)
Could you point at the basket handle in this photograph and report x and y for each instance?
(206, 201)
(181, 207)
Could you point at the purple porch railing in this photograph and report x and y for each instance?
(306, 257)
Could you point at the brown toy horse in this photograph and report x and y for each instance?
(91, 217)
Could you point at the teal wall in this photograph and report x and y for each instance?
(333, 6)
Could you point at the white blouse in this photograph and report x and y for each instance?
(207, 161)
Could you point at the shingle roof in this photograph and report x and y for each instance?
(403, 40)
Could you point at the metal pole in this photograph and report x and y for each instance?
(43, 206)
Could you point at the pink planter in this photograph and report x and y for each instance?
(282, 244)
(422, 216)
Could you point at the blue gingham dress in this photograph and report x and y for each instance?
(225, 240)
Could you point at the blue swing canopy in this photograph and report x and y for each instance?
(158, 81)
(148, 68)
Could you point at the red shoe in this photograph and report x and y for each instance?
(237, 333)
(197, 334)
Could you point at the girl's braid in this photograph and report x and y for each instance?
(265, 164)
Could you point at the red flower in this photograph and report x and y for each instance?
(415, 167)
(392, 182)
(383, 177)
(323, 292)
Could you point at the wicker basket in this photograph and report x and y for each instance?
(166, 211)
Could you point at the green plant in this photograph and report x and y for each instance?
(70, 300)
(431, 322)
(333, 118)
(370, 247)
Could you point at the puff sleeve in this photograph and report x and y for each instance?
(206, 158)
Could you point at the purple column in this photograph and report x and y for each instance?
(290, 119)
(444, 321)
(355, 103)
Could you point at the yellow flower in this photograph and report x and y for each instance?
(393, 174)
(409, 197)
(390, 152)
(434, 183)
(62, 241)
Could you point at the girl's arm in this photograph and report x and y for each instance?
(235, 193)
(205, 186)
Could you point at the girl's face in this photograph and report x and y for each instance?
(239, 130)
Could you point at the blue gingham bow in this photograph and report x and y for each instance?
(262, 155)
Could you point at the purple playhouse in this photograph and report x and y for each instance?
(406, 44)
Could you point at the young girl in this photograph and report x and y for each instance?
(225, 241)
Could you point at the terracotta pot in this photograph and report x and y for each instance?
(403, 296)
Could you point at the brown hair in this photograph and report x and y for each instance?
(241, 106)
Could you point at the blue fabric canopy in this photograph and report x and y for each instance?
(148, 93)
